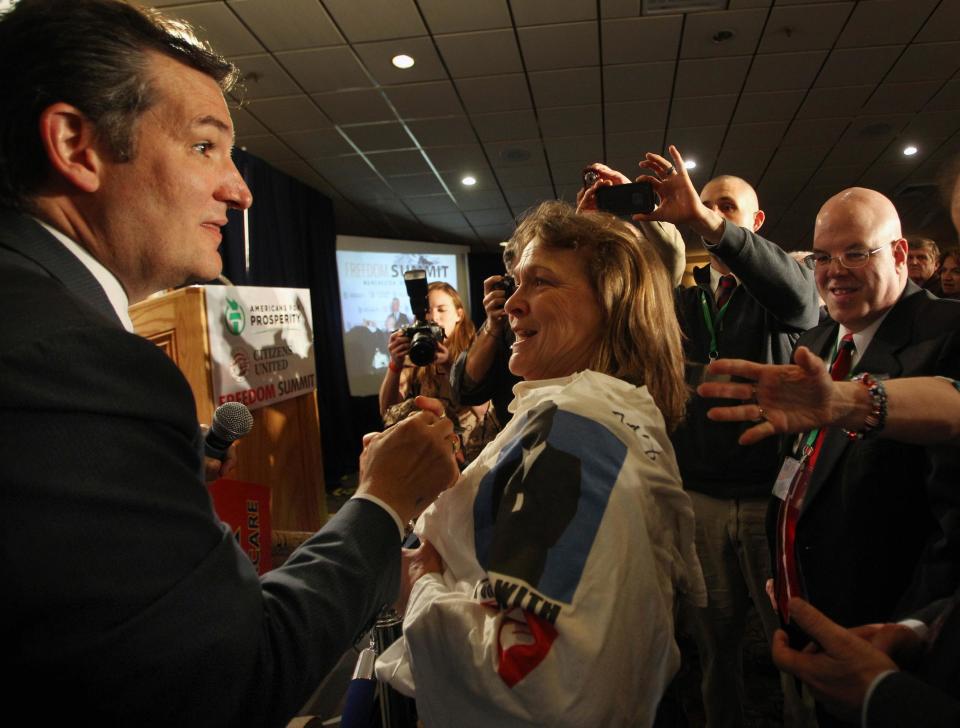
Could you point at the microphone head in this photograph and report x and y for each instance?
(231, 421)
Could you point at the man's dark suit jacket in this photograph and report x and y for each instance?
(929, 694)
(125, 600)
(879, 530)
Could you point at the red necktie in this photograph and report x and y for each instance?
(727, 284)
(789, 582)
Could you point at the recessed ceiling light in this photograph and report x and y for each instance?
(909, 151)
(689, 164)
(403, 61)
(468, 181)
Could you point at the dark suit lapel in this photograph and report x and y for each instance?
(879, 358)
(25, 236)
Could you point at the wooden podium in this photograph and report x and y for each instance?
(282, 450)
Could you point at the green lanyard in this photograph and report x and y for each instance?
(713, 324)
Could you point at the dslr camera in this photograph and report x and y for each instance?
(424, 335)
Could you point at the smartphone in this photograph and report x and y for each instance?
(627, 199)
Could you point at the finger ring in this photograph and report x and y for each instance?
(671, 169)
(455, 444)
(762, 415)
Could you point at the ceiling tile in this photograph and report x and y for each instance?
(947, 98)
(636, 115)
(506, 125)
(542, 12)
(943, 24)
(469, 200)
(364, 189)
(324, 69)
(267, 146)
(354, 107)
(746, 163)
(534, 175)
(465, 158)
(901, 96)
(633, 81)
(484, 53)
(834, 102)
(494, 233)
(697, 143)
(316, 143)
(784, 71)
(884, 22)
(300, 170)
(378, 137)
(263, 77)
(405, 162)
(547, 47)
(494, 93)
(430, 204)
(839, 177)
(288, 113)
(285, 25)
(762, 136)
(711, 76)
(425, 100)
(700, 29)
(633, 145)
(806, 157)
(574, 149)
(377, 57)
(799, 28)
(619, 8)
(514, 153)
(853, 67)
(347, 166)
(244, 124)
(483, 218)
(639, 40)
(213, 22)
(926, 62)
(444, 16)
(415, 184)
(366, 20)
(700, 110)
(447, 221)
(778, 106)
(566, 173)
(569, 87)
(442, 132)
(570, 121)
(825, 131)
(934, 124)
(524, 198)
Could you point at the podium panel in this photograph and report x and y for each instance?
(282, 450)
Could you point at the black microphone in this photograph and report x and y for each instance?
(231, 421)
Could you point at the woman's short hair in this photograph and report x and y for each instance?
(641, 342)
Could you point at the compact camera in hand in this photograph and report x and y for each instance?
(425, 336)
(507, 284)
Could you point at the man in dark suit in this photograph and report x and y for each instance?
(876, 532)
(126, 601)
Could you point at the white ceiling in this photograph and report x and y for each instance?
(805, 98)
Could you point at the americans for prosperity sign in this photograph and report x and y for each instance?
(261, 344)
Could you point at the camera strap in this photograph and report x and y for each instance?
(713, 323)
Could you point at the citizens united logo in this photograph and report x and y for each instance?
(234, 317)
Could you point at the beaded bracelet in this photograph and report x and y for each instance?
(875, 421)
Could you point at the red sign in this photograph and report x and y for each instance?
(245, 507)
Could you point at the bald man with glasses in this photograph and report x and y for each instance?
(868, 529)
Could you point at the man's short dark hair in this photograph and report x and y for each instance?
(92, 54)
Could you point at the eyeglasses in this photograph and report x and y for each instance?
(856, 258)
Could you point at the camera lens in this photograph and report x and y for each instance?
(423, 349)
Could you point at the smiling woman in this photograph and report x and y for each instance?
(554, 562)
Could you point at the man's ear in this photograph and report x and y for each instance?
(68, 138)
(900, 249)
(758, 218)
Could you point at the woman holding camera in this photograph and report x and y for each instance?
(543, 593)
(403, 381)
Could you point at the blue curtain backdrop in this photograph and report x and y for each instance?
(293, 244)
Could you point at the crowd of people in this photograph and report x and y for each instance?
(782, 434)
